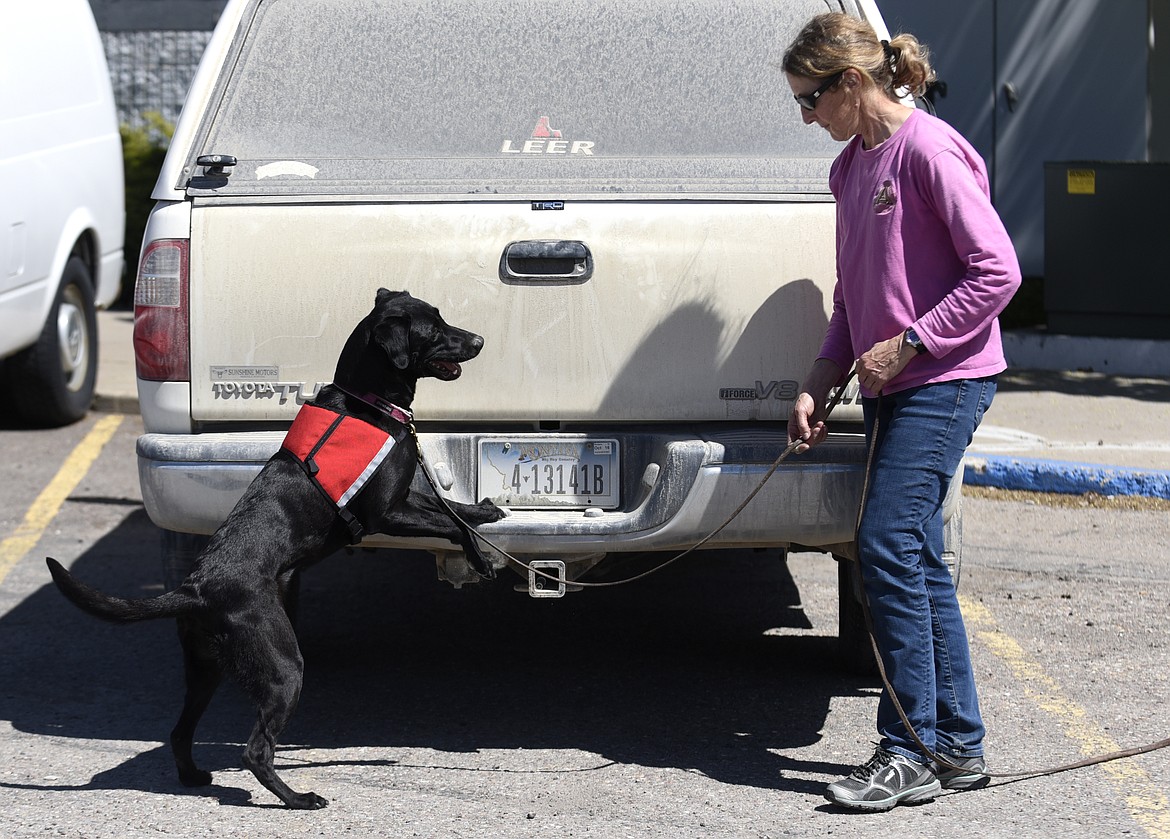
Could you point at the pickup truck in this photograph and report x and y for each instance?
(620, 197)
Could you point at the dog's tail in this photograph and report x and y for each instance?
(120, 609)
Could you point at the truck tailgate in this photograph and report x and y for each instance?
(748, 287)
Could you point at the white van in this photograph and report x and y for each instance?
(62, 213)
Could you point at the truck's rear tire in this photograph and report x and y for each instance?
(854, 649)
(180, 550)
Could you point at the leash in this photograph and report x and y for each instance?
(606, 583)
(877, 657)
(788, 450)
(868, 616)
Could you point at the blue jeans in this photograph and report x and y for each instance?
(922, 433)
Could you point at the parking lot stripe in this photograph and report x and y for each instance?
(1146, 803)
(49, 502)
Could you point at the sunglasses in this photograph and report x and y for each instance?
(808, 101)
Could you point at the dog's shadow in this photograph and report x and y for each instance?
(153, 771)
(675, 671)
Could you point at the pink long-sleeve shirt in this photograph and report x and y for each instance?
(919, 244)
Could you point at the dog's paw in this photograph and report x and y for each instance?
(480, 563)
(194, 777)
(306, 801)
(488, 511)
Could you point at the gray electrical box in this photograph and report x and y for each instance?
(1106, 232)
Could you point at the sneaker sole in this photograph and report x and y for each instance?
(965, 782)
(918, 795)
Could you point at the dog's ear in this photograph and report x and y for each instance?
(392, 334)
(384, 296)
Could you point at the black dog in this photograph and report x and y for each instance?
(229, 609)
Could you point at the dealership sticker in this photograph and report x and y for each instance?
(244, 374)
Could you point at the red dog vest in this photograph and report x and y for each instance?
(339, 452)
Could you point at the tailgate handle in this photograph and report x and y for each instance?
(546, 261)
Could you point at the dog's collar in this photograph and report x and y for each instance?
(379, 404)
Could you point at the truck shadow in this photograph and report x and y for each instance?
(677, 672)
(775, 346)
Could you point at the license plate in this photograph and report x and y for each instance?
(535, 472)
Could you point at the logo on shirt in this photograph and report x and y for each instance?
(885, 198)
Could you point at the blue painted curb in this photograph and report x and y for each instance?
(1038, 475)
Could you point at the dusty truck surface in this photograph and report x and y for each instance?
(620, 197)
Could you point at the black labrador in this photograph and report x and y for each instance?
(229, 609)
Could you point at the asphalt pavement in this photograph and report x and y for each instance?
(1072, 414)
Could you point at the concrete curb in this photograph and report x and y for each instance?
(1038, 475)
(1036, 350)
(104, 404)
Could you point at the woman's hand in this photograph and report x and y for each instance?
(805, 424)
(883, 362)
(807, 421)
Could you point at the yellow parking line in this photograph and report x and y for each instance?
(1147, 804)
(49, 502)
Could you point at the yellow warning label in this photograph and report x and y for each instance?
(1082, 182)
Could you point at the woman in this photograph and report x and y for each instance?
(924, 266)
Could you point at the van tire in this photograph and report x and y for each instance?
(53, 380)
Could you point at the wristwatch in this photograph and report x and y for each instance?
(913, 340)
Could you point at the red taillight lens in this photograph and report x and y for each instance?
(161, 328)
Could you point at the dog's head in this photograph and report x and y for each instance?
(403, 339)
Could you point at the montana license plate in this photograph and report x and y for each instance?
(536, 472)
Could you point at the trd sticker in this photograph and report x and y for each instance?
(547, 140)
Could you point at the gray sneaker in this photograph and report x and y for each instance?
(884, 781)
(969, 775)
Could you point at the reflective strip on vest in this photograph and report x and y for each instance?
(340, 452)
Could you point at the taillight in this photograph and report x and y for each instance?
(161, 326)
